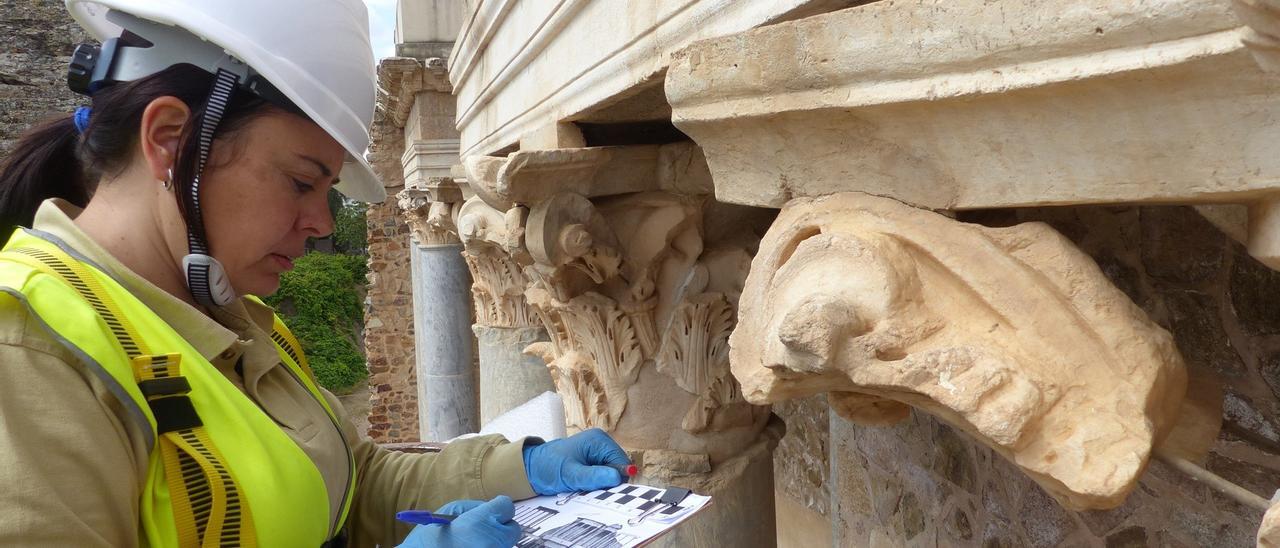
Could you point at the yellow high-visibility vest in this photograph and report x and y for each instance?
(221, 472)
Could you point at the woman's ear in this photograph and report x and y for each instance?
(161, 132)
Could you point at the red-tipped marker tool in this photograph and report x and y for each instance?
(627, 470)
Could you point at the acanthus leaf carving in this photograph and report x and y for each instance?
(608, 277)
(592, 335)
(498, 279)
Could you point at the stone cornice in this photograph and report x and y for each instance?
(400, 79)
(950, 104)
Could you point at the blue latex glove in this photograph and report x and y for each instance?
(479, 525)
(571, 464)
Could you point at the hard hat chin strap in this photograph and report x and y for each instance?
(206, 278)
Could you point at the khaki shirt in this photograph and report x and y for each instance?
(73, 462)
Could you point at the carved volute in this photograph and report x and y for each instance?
(1011, 334)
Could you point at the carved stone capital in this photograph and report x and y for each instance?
(639, 314)
(1011, 334)
(494, 253)
(430, 211)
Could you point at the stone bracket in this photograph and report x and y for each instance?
(1011, 334)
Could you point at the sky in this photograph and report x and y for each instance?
(382, 27)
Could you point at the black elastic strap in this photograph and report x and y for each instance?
(174, 413)
(165, 386)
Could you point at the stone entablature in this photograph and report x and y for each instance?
(518, 67)
(953, 105)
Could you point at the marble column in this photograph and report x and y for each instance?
(508, 376)
(442, 309)
(441, 312)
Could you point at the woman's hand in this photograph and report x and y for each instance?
(479, 525)
(582, 462)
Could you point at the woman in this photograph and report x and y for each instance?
(146, 398)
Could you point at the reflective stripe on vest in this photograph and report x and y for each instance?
(237, 452)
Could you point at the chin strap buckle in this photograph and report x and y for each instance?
(207, 280)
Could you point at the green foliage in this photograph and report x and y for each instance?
(320, 301)
(350, 232)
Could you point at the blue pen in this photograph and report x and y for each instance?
(423, 517)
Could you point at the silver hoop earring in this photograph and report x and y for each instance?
(168, 183)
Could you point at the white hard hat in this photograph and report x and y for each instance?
(316, 52)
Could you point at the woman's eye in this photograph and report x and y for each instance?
(303, 186)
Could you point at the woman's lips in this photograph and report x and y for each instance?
(283, 261)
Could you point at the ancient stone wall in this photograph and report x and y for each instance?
(38, 40)
(923, 483)
(393, 413)
(800, 466)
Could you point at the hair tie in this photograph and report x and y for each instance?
(81, 118)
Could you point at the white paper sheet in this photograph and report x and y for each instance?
(599, 519)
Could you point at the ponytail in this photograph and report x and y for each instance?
(43, 165)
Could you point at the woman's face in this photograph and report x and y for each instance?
(260, 207)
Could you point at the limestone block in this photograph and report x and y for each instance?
(951, 104)
(1011, 334)
(1269, 532)
(531, 176)
(520, 66)
(1263, 35)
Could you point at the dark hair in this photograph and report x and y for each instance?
(53, 160)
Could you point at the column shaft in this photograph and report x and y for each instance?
(508, 376)
(442, 327)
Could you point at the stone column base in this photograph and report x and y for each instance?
(508, 377)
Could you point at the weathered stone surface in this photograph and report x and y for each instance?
(1043, 519)
(1179, 245)
(1107, 234)
(389, 327)
(1270, 370)
(852, 293)
(1253, 291)
(554, 61)
(1239, 410)
(958, 525)
(800, 465)
(1261, 480)
(38, 40)
(1197, 327)
(530, 177)
(982, 108)
(1132, 537)
(1269, 532)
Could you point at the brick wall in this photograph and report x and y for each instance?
(393, 383)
